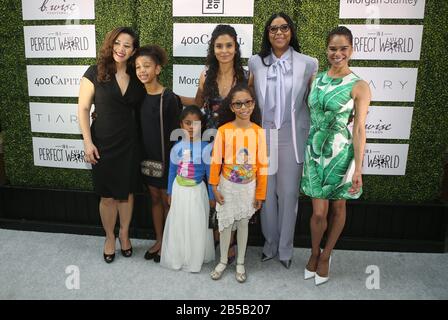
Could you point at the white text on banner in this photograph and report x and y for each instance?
(386, 42)
(388, 122)
(385, 159)
(64, 41)
(59, 153)
(213, 8)
(192, 39)
(389, 84)
(58, 9)
(358, 9)
(55, 117)
(54, 81)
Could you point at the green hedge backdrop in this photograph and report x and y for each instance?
(153, 21)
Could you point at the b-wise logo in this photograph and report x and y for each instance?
(213, 6)
(58, 7)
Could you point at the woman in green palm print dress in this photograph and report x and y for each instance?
(333, 156)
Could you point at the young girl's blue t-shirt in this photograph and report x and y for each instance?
(188, 165)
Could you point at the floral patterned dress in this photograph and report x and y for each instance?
(329, 156)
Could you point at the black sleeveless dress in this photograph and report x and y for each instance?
(114, 133)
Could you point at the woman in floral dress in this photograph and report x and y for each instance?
(333, 155)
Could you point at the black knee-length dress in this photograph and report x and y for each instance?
(115, 134)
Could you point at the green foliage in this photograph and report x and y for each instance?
(427, 143)
(153, 20)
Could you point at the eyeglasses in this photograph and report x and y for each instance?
(283, 28)
(239, 104)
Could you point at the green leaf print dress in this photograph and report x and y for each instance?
(329, 158)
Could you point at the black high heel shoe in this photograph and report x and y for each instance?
(157, 257)
(150, 255)
(126, 253)
(109, 258)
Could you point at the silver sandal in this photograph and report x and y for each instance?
(216, 274)
(240, 276)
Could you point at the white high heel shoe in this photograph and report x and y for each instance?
(318, 280)
(307, 274)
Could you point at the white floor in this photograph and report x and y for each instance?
(37, 265)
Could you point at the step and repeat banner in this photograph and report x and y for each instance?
(372, 41)
(71, 40)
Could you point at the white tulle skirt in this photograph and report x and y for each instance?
(238, 202)
(187, 240)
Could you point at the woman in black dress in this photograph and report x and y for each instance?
(111, 143)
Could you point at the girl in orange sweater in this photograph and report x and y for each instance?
(238, 173)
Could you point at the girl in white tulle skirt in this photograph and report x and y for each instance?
(187, 240)
(238, 173)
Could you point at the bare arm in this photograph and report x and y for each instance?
(187, 101)
(197, 100)
(361, 95)
(199, 94)
(311, 82)
(86, 94)
(250, 83)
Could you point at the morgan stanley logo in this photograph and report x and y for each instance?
(213, 6)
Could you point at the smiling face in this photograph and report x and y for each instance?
(339, 51)
(225, 48)
(192, 124)
(281, 38)
(242, 105)
(146, 69)
(123, 47)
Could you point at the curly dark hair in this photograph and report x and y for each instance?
(211, 85)
(156, 53)
(106, 64)
(225, 113)
(266, 44)
(342, 31)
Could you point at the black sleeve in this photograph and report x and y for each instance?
(140, 91)
(172, 115)
(91, 73)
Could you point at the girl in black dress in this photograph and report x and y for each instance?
(111, 143)
(148, 62)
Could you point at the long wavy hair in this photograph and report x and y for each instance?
(211, 85)
(266, 46)
(226, 114)
(106, 62)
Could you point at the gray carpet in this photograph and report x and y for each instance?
(33, 266)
